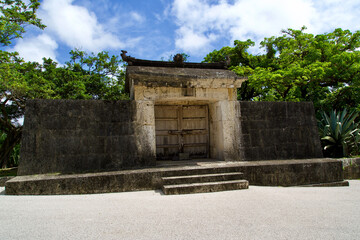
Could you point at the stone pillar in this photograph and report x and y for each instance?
(225, 131)
(216, 133)
(229, 129)
(145, 132)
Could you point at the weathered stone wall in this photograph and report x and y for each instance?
(72, 136)
(277, 130)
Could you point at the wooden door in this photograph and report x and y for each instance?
(181, 129)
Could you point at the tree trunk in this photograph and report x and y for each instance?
(12, 139)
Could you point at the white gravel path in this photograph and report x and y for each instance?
(256, 213)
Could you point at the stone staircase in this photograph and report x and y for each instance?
(204, 182)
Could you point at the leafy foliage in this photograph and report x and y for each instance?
(15, 15)
(299, 66)
(340, 134)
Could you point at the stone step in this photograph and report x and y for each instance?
(214, 177)
(200, 170)
(205, 187)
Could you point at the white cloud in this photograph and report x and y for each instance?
(193, 41)
(255, 19)
(267, 18)
(137, 17)
(36, 48)
(133, 42)
(76, 26)
(332, 14)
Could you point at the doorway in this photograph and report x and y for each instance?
(182, 132)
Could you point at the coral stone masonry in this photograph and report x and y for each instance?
(177, 111)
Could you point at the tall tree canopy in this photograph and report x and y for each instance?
(94, 76)
(15, 16)
(299, 66)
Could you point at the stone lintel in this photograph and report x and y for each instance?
(182, 77)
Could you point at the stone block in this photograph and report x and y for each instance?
(286, 150)
(246, 141)
(256, 139)
(245, 127)
(274, 110)
(301, 150)
(280, 122)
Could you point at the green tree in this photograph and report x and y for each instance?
(299, 66)
(85, 76)
(101, 74)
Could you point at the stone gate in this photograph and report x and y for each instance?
(177, 111)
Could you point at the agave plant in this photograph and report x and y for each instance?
(339, 132)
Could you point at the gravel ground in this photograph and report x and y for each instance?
(256, 213)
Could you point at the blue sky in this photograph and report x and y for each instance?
(155, 29)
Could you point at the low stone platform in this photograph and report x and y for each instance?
(265, 173)
(351, 168)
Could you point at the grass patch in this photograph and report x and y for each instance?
(7, 172)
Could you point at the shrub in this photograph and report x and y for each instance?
(340, 133)
(14, 155)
